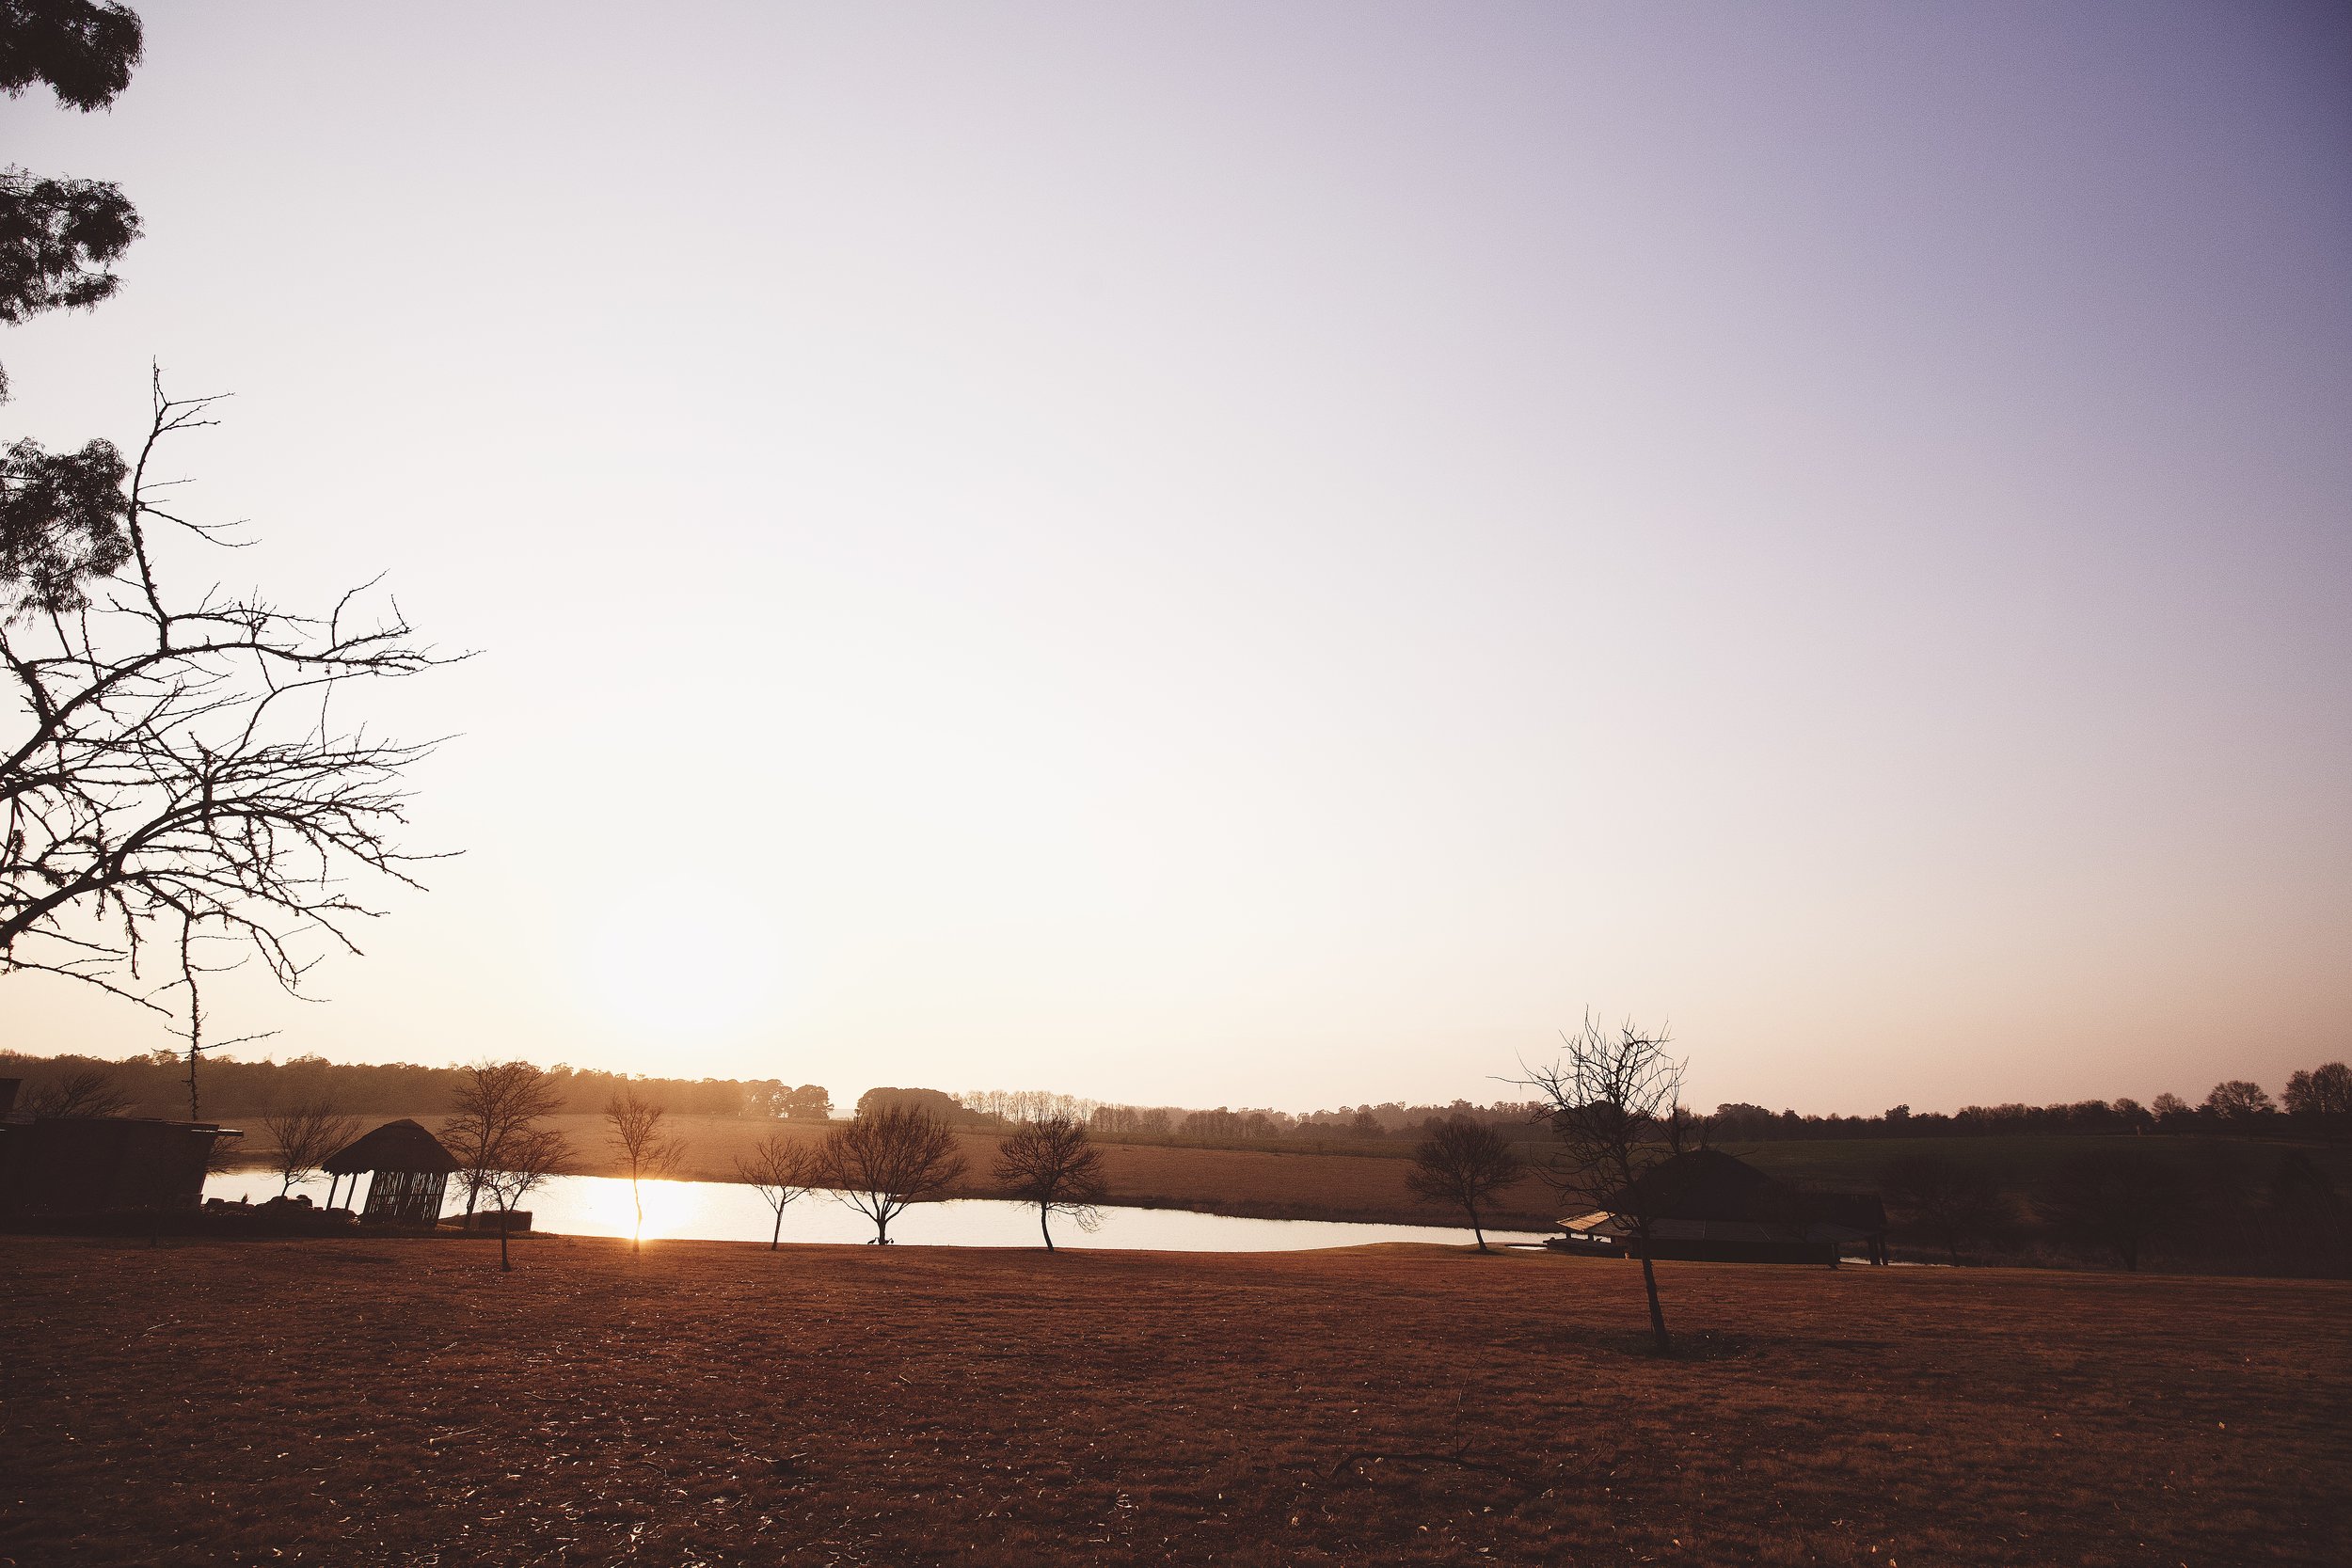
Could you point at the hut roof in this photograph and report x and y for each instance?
(401, 1145)
(1706, 1185)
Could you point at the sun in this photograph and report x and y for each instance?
(694, 959)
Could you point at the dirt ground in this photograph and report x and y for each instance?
(401, 1401)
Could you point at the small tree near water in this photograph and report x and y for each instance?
(644, 1149)
(527, 1159)
(1051, 1163)
(494, 1102)
(304, 1135)
(1615, 1104)
(886, 1160)
(2116, 1200)
(1462, 1164)
(779, 1170)
(1952, 1203)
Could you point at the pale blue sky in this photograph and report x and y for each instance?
(1273, 555)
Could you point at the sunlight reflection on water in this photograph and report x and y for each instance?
(729, 1212)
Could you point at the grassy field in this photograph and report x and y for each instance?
(401, 1403)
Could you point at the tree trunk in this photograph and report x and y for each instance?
(1657, 1313)
(506, 1264)
(1476, 1229)
(1041, 1212)
(637, 1237)
(777, 1234)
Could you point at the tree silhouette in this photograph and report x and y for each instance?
(1614, 1105)
(87, 1092)
(2237, 1099)
(2118, 1201)
(495, 1104)
(304, 1135)
(1952, 1203)
(1462, 1164)
(2323, 1091)
(1051, 1163)
(178, 780)
(59, 238)
(886, 1160)
(61, 513)
(528, 1158)
(636, 1124)
(780, 1171)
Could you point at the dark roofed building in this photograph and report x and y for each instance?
(411, 1171)
(1710, 1205)
(97, 1164)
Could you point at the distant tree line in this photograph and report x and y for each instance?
(1391, 1119)
(2317, 1103)
(154, 1085)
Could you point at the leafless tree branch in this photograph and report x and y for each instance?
(173, 778)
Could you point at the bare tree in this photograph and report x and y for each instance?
(495, 1102)
(1050, 1162)
(89, 1092)
(174, 786)
(1952, 1203)
(528, 1157)
(886, 1160)
(779, 1170)
(2117, 1200)
(1615, 1104)
(1462, 1164)
(302, 1135)
(637, 1133)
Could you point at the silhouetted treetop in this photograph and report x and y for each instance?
(58, 240)
(83, 50)
(61, 514)
(61, 524)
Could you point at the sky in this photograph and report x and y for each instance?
(1277, 556)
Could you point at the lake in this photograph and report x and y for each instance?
(730, 1211)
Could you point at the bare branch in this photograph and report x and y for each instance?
(172, 777)
(1613, 1103)
(886, 1160)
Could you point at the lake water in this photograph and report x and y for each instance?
(729, 1212)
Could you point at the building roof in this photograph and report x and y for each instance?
(402, 1145)
(1709, 1193)
(1706, 1185)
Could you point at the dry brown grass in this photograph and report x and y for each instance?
(1250, 1182)
(400, 1401)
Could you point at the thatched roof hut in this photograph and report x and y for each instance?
(402, 1145)
(411, 1172)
